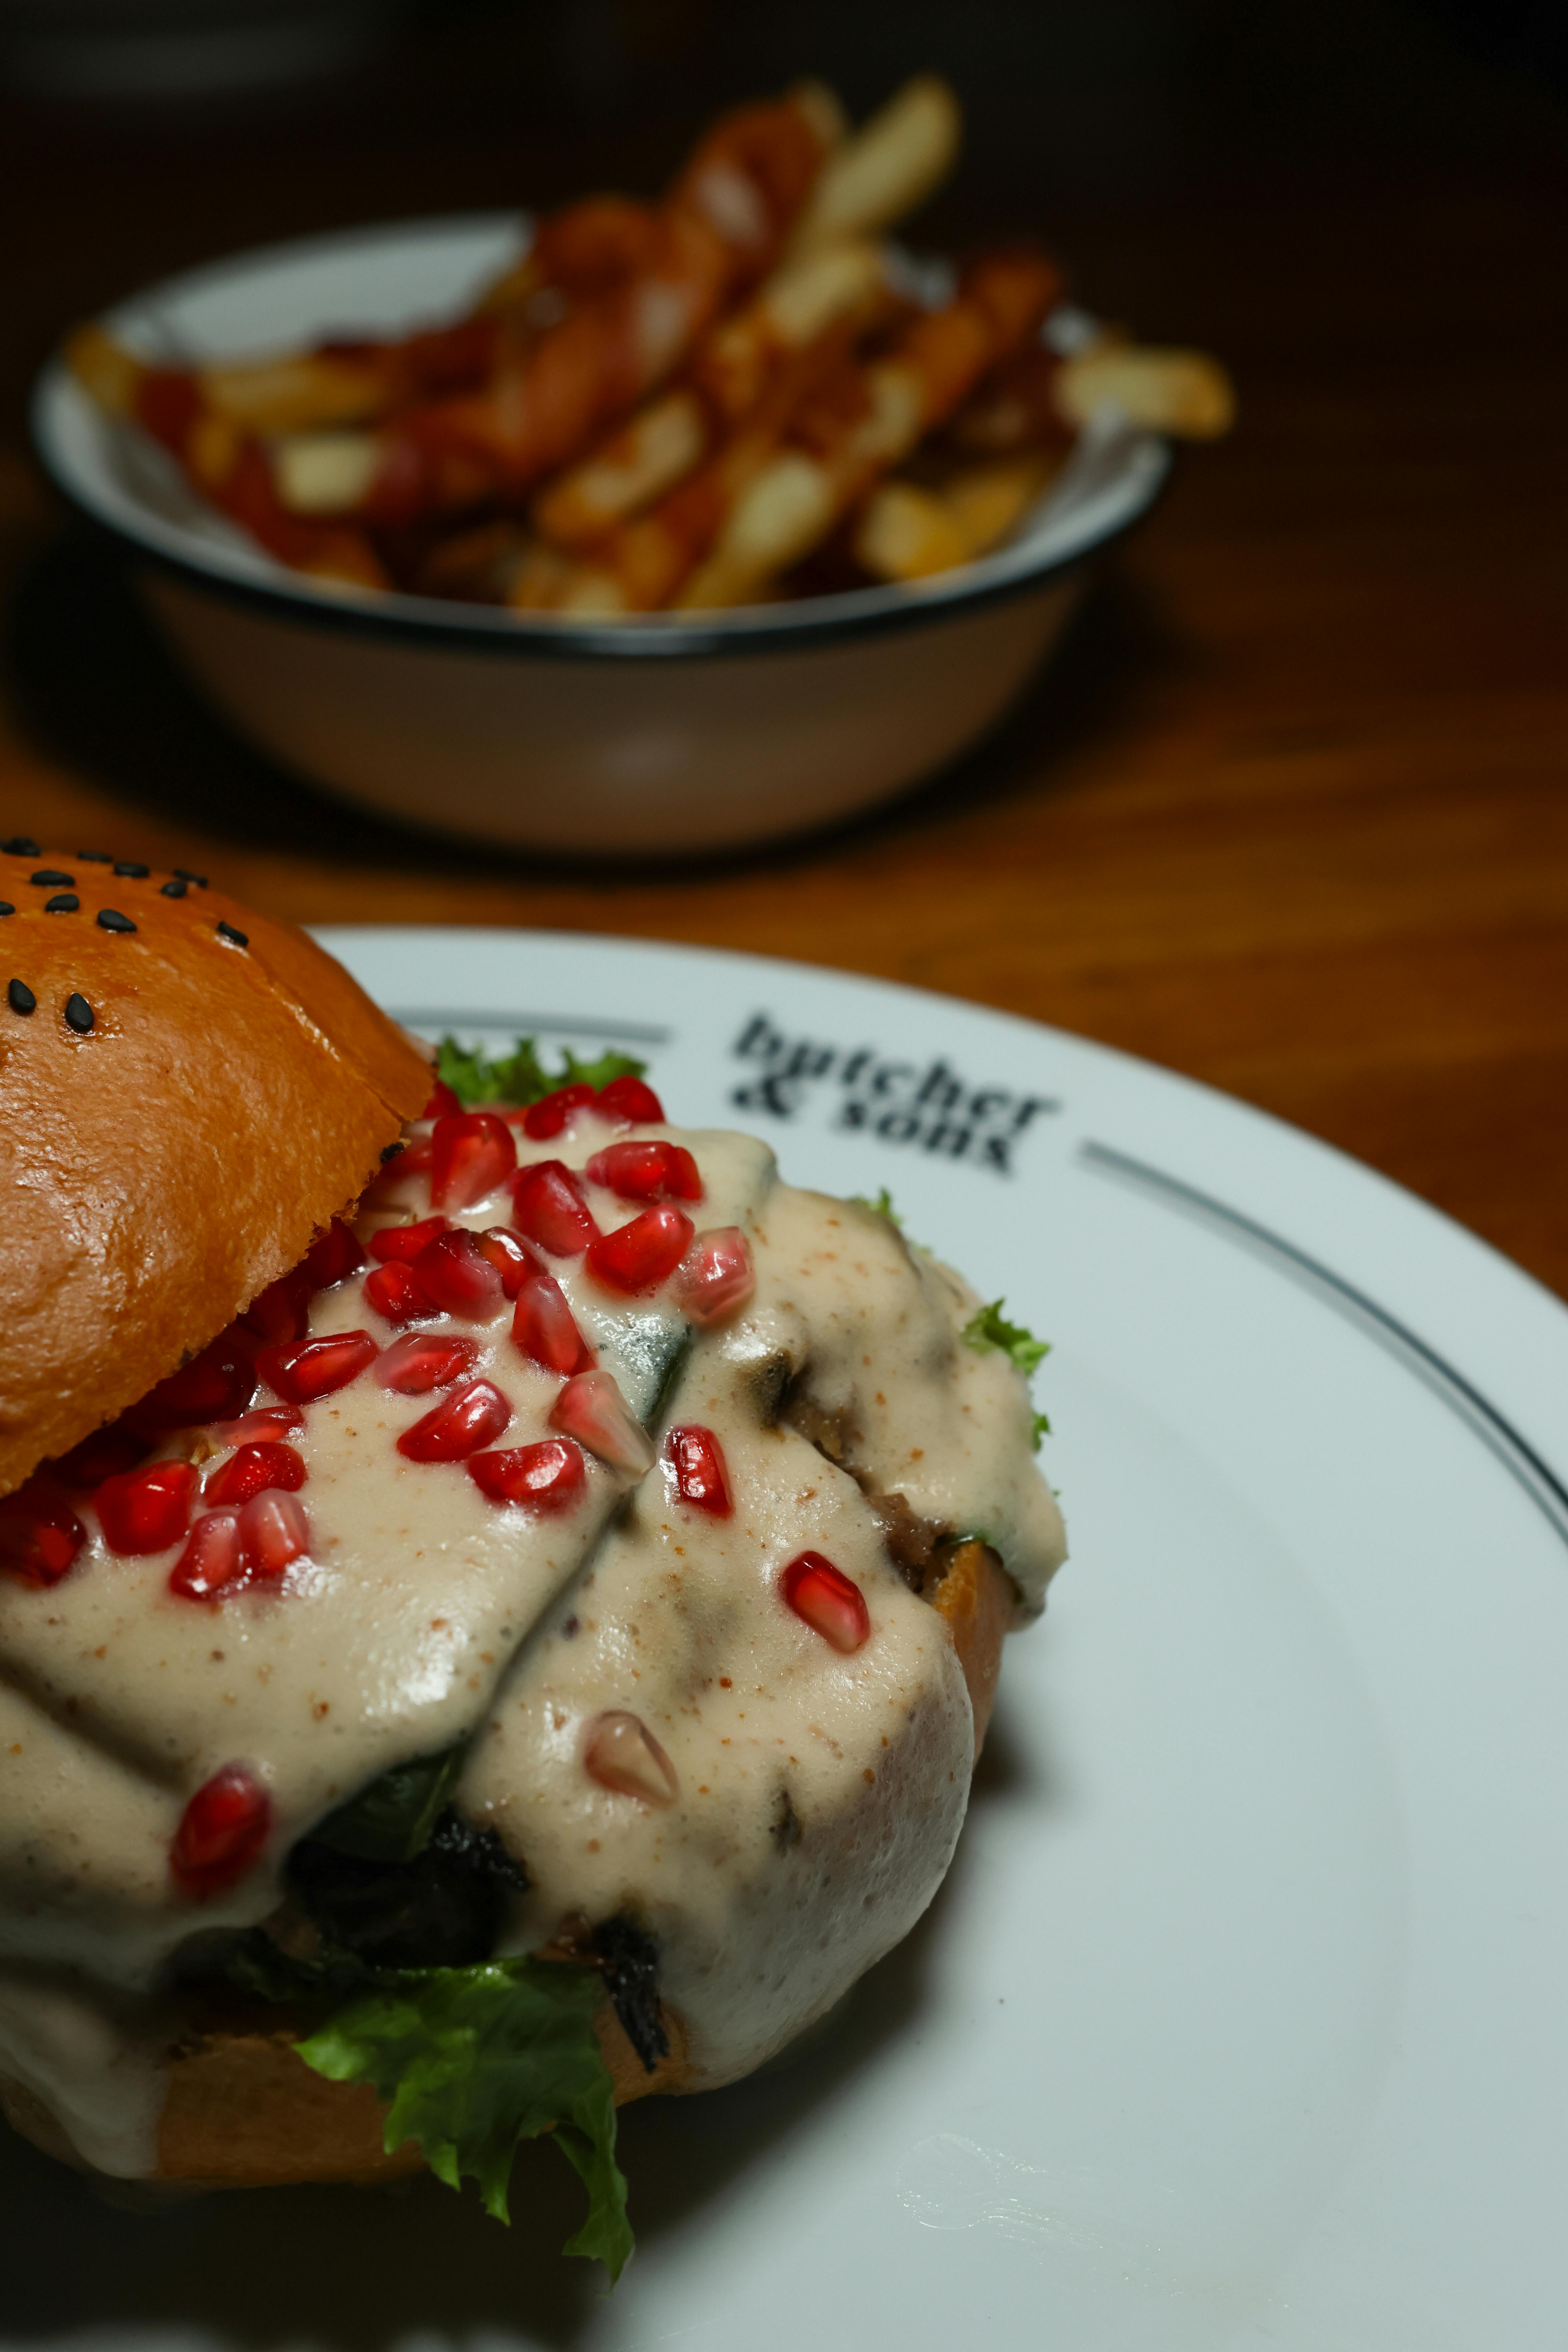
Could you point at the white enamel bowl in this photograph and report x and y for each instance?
(634, 737)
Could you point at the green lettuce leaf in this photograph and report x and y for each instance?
(988, 1328)
(520, 1077)
(882, 1206)
(472, 2061)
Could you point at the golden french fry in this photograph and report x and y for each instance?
(1182, 393)
(905, 532)
(105, 370)
(885, 168)
(987, 502)
(292, 395)
(780, 518)
(797, 304)
(541, 577)
(593, 596)
(646, 457)
(324, 473)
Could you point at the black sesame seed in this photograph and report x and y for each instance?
(79, 1012)
(235, 939)
(20, 997)
(174, 890)
(63, 902)
(390, 1151)
(6, 907)
(95, 857)
(111, 919)
(131, 870)
(20, 846)
(185, 875)
(48, 878)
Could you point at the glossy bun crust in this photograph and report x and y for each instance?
(188, 1093)
(242, 2111)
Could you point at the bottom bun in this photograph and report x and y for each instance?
(243, 2110)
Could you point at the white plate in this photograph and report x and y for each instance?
(1240, 2019)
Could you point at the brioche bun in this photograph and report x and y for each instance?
(189, 1092)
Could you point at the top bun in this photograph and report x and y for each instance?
(188, 1093)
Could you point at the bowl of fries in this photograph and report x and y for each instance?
(640, 529)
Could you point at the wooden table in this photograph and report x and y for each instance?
(1288, 813)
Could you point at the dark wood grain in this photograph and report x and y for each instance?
(1288, 813)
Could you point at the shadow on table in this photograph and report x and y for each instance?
(98, 691)
(359, 2271)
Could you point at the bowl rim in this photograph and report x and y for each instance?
(162, 543)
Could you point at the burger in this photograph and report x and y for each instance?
(499, 1597)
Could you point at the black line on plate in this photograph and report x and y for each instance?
(525, 1025)
(1479, 1416)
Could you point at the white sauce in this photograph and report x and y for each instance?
(819, 1795)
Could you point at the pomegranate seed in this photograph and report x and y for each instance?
(622, 1754)
(251, 1470)
(717, 1275)
(214, 1386)
(421, 1362)
(627, 1099)
(702, 1478)
(638, 1257)
(474, 1152)
(454, 1271)
(548, 1203)
(463, 1422)
(514, 1258)
(146, 1510)
(40, 1536)
(273, 1420)
(281, 1311)
(552, 1112)
(647, 1171)
(213, 1560)
(543, 1327)
(825, 1597)
(397, 1294)
(274, 1533)
(416, 1159)
(592, 1409)
(442, 1102)
(548, 1477)
(403, 1242)
(104, 1455)
(333, 1258)
(314, 1367)
(221, 1832)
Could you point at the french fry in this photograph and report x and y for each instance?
(697, 394)
(733, 371)
(656, 449)
(724, 222)
(1184, 394)
(583, 250)
(798, 303)
(640, 566)
(105, 370)
(909, 531)
(885, 169)
(798, 498)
